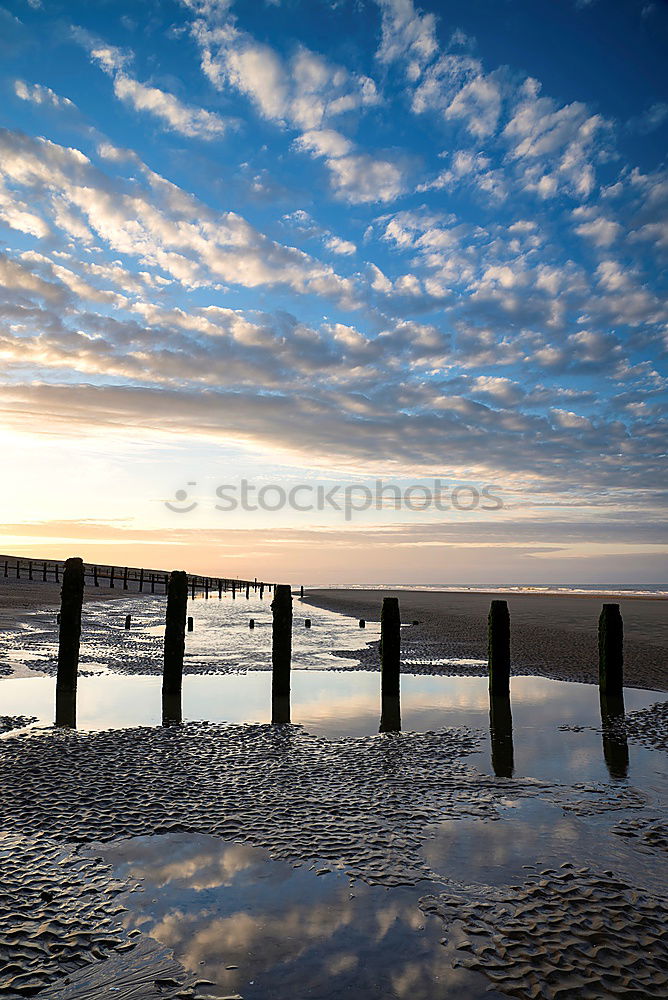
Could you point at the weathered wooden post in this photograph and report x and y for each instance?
(247, 591)
(18, 570)
(362, 623)
(498, 648)
(220, 590)
(175, 643)
(611, 650)
(261, 591)
(56, 569)
(307, 623)
(69, 637)
(96, 582)
(125, 578)
(128, 619)
(191, 623)
(111, 577)
(153, 583)
(206, 588)
(234, 590)
(281, 653)
(6, 568)
(390, 646)
(251, 623)
(141, 581)
(192, 588)
(30, 569)
(301, 592)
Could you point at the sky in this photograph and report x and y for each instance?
(341, 251)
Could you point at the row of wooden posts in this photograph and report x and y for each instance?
(179, 586)
(147, 581)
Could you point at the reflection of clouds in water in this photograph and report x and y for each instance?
(205, 870)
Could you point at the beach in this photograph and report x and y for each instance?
(552, 635)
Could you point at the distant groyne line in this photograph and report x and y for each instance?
(133, 579)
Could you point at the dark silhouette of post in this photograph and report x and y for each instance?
(613, 732)
(175, 644)
(611, 650)
(96, 582)
(56, 568)
(261, 591)
(18, 570)
(43, 572)
(128, 620)
(251, 623)
(191, 624)
(390, 647)
(281, 652)
(30, 569)
(498, 648)
(192, 588)
(501, 736)
(6, 568)
(206, 588)
(307, 623)
(125, 578)
(301, 592)
(247, 591)
(390, 714)
(362, 623)
(234, 590)
(220, 590)
(69, 637)
(111, 578)
(153, 583)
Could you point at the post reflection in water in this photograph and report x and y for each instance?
(501, 736)
(613, 729)
(172, 709)
(390, 714)
(280, 709)
(66, 709)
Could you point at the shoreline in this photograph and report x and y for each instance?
(552, 635)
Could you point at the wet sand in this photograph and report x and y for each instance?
(553, 635)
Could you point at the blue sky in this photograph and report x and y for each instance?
(331, 241)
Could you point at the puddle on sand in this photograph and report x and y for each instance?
(260, 928)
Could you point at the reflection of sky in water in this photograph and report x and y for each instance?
(260, 928)
(347, 704)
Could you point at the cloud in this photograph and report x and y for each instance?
(408, 36)
(340, 246)
(183, 118)
(37, 94)
(357, 177)
(196, 123)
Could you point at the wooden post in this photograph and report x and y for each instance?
(128, 619)
(261, 591)
(191, 623)
(362, 623)
(153, 583)
(18, 570)
(111, 577)
(390, 647)
(281, 641)
(220, 590)
(613, 732)
(175, 639)
(251, 623)
(43, 572)
(498, 648)
(125, 578)
(206, 588)
(307, 623)
(301, 592)
(30, 569)
(234, 590)
(192, 588)
(141, 580)
(69, 637)
(6, 568)
(166, 582)
(95, 579)
(611, 650)
(56, 569)
(247, 591)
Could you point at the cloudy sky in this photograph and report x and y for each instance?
(322, 242)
